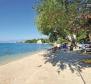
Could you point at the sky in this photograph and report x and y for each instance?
(17, 20)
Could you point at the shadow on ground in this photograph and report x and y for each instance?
(64, 60)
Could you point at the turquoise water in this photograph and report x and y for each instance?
(10, 51)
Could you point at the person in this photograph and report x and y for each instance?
(65, 47)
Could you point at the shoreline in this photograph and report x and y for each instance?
(33, 70)
(14, 51)
(8, 59)
(10, 72)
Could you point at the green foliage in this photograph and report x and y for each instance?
(81, 35)
(59, 16)
(31, 41)
(88, 61)
(53, 14)
(35, 41)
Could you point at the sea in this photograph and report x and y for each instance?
(13, 51)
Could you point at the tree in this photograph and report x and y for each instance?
(85, 14)
(58, 18)
(56, 15)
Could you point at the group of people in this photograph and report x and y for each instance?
(59, 47)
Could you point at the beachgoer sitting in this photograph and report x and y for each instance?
(64, 47)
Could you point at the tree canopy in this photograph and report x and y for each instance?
(58, 18)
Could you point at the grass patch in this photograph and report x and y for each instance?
(87, 61)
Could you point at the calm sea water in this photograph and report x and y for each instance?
(10, 51)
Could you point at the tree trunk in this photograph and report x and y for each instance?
(73, 42)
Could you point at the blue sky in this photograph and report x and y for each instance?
(17, 20)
